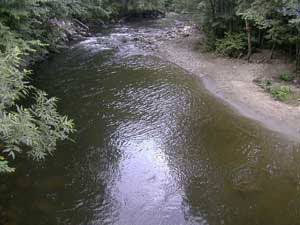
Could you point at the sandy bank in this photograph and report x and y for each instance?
(232, 81)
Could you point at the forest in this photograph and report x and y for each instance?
(232, 26)
(30, 124)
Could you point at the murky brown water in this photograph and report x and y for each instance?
(152, 148)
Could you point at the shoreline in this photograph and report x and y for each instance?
(231, 81)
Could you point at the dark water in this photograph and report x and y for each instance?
(152, 148)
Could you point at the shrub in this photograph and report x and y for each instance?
(231, 45)
(281, 93)
(33, 130)
(265, 84)
(286, 76)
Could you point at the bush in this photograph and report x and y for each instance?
(33, 130)
(231, 45)
(281, 93)
(264, 84)
(286, 77)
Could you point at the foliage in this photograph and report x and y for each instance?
(281, 93)
(142, 5)
(34, 130)
(231, 45)
(270, 23)
(264, 84)
(286, 76)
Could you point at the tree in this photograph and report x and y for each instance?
(34, 129)
(276, 22)
(292, 10)
(246, 12)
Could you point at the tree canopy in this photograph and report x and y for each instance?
(267, 23)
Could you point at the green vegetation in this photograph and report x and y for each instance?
(286, 77)
(278, 92)
(273, 24)
(265, 84)
(281, 93)
(34, 129)
(231, 45)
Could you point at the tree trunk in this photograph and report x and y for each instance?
(213, 10)
(125, 6)
(290, 51)
(272, 50)
(259, 37)
(262, 41)
(248, 30)
(297, 56)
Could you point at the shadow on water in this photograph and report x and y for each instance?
(152, 147)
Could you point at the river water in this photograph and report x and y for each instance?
(152, 147)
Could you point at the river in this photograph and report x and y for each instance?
(152, 147)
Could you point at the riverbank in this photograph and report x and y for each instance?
(232, 81)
